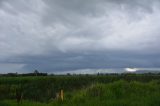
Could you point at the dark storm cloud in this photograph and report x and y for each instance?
(59, 35)
(74, 61)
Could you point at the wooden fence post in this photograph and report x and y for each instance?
(62, 95)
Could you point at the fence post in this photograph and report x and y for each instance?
(62, 95)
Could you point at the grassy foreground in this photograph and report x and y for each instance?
(118, 93)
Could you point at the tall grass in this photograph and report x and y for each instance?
(116, 93)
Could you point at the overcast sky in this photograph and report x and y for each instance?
(64, 35)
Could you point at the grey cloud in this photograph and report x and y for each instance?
(68, 35)
(76, 10)
(74, 61)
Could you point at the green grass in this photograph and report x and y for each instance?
(118, 93)
(24, 103)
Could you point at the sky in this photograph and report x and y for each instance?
(67, 35)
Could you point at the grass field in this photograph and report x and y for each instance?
(118, 92)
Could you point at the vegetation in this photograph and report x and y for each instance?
(81, 90)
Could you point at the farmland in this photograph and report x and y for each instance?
(82, 90)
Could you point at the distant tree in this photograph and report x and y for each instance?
(98, 73)
(68, 74)
(36, 72)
